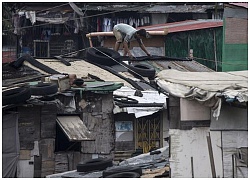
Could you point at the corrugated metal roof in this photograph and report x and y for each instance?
(185, 25)
(185, 66)
(245, 5)
(179, 8)
(151, 8)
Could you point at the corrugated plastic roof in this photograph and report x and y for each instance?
(185, 25)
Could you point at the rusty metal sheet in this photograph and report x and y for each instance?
(74, 128)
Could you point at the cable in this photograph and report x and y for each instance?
(133, 8)
(42, 10)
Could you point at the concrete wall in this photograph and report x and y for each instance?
(187, 144)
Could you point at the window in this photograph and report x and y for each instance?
(124, 130)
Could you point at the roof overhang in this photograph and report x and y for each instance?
(74, 128)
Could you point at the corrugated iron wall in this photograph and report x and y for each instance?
(205, 43)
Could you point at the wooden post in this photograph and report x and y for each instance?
(192, 166)
(233, 164)
(210, 150)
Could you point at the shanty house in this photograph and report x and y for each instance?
(52, 29)
(46, 134)
(208, 123)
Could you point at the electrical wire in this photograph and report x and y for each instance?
(132, 8)
(42, 10)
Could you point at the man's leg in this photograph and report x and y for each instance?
(118, 37)
(117, 46)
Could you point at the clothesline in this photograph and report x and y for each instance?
(107, 24)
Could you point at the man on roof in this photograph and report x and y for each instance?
(125, 33)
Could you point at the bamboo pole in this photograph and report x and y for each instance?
(154, 33)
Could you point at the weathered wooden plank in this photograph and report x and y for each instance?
(48, 121)
(47, 148)
(103, 131)
(28, 126)
(24, 154)
(74, 128)
(48, 168)
(61, 162)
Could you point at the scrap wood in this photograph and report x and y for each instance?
(148, 173)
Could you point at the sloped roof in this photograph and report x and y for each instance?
(179, 8)
(240, 4)
(81, 68)
(184, 25)
(186, 66)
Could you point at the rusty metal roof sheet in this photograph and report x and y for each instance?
(187, 25)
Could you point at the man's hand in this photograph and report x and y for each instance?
(148, 54)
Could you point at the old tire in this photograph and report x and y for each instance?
(16, 96)
(142, 69)
(120, 169)
(94, 164)
(124, 175)
(94, 55)
(43, 89)
(125, 100)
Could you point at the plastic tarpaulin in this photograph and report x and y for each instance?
(10, 145)
(205, 87)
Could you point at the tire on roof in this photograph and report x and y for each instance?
(125, 100)
(43, 89)
(103, 56)
(94, 164)
(142, 69)
(16, 96)
(120, 169)
(124, 175)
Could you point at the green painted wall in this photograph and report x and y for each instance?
(202, 43)
(235, 57)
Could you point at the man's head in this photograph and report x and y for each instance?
(143, 32)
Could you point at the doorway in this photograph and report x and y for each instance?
(149, 132)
